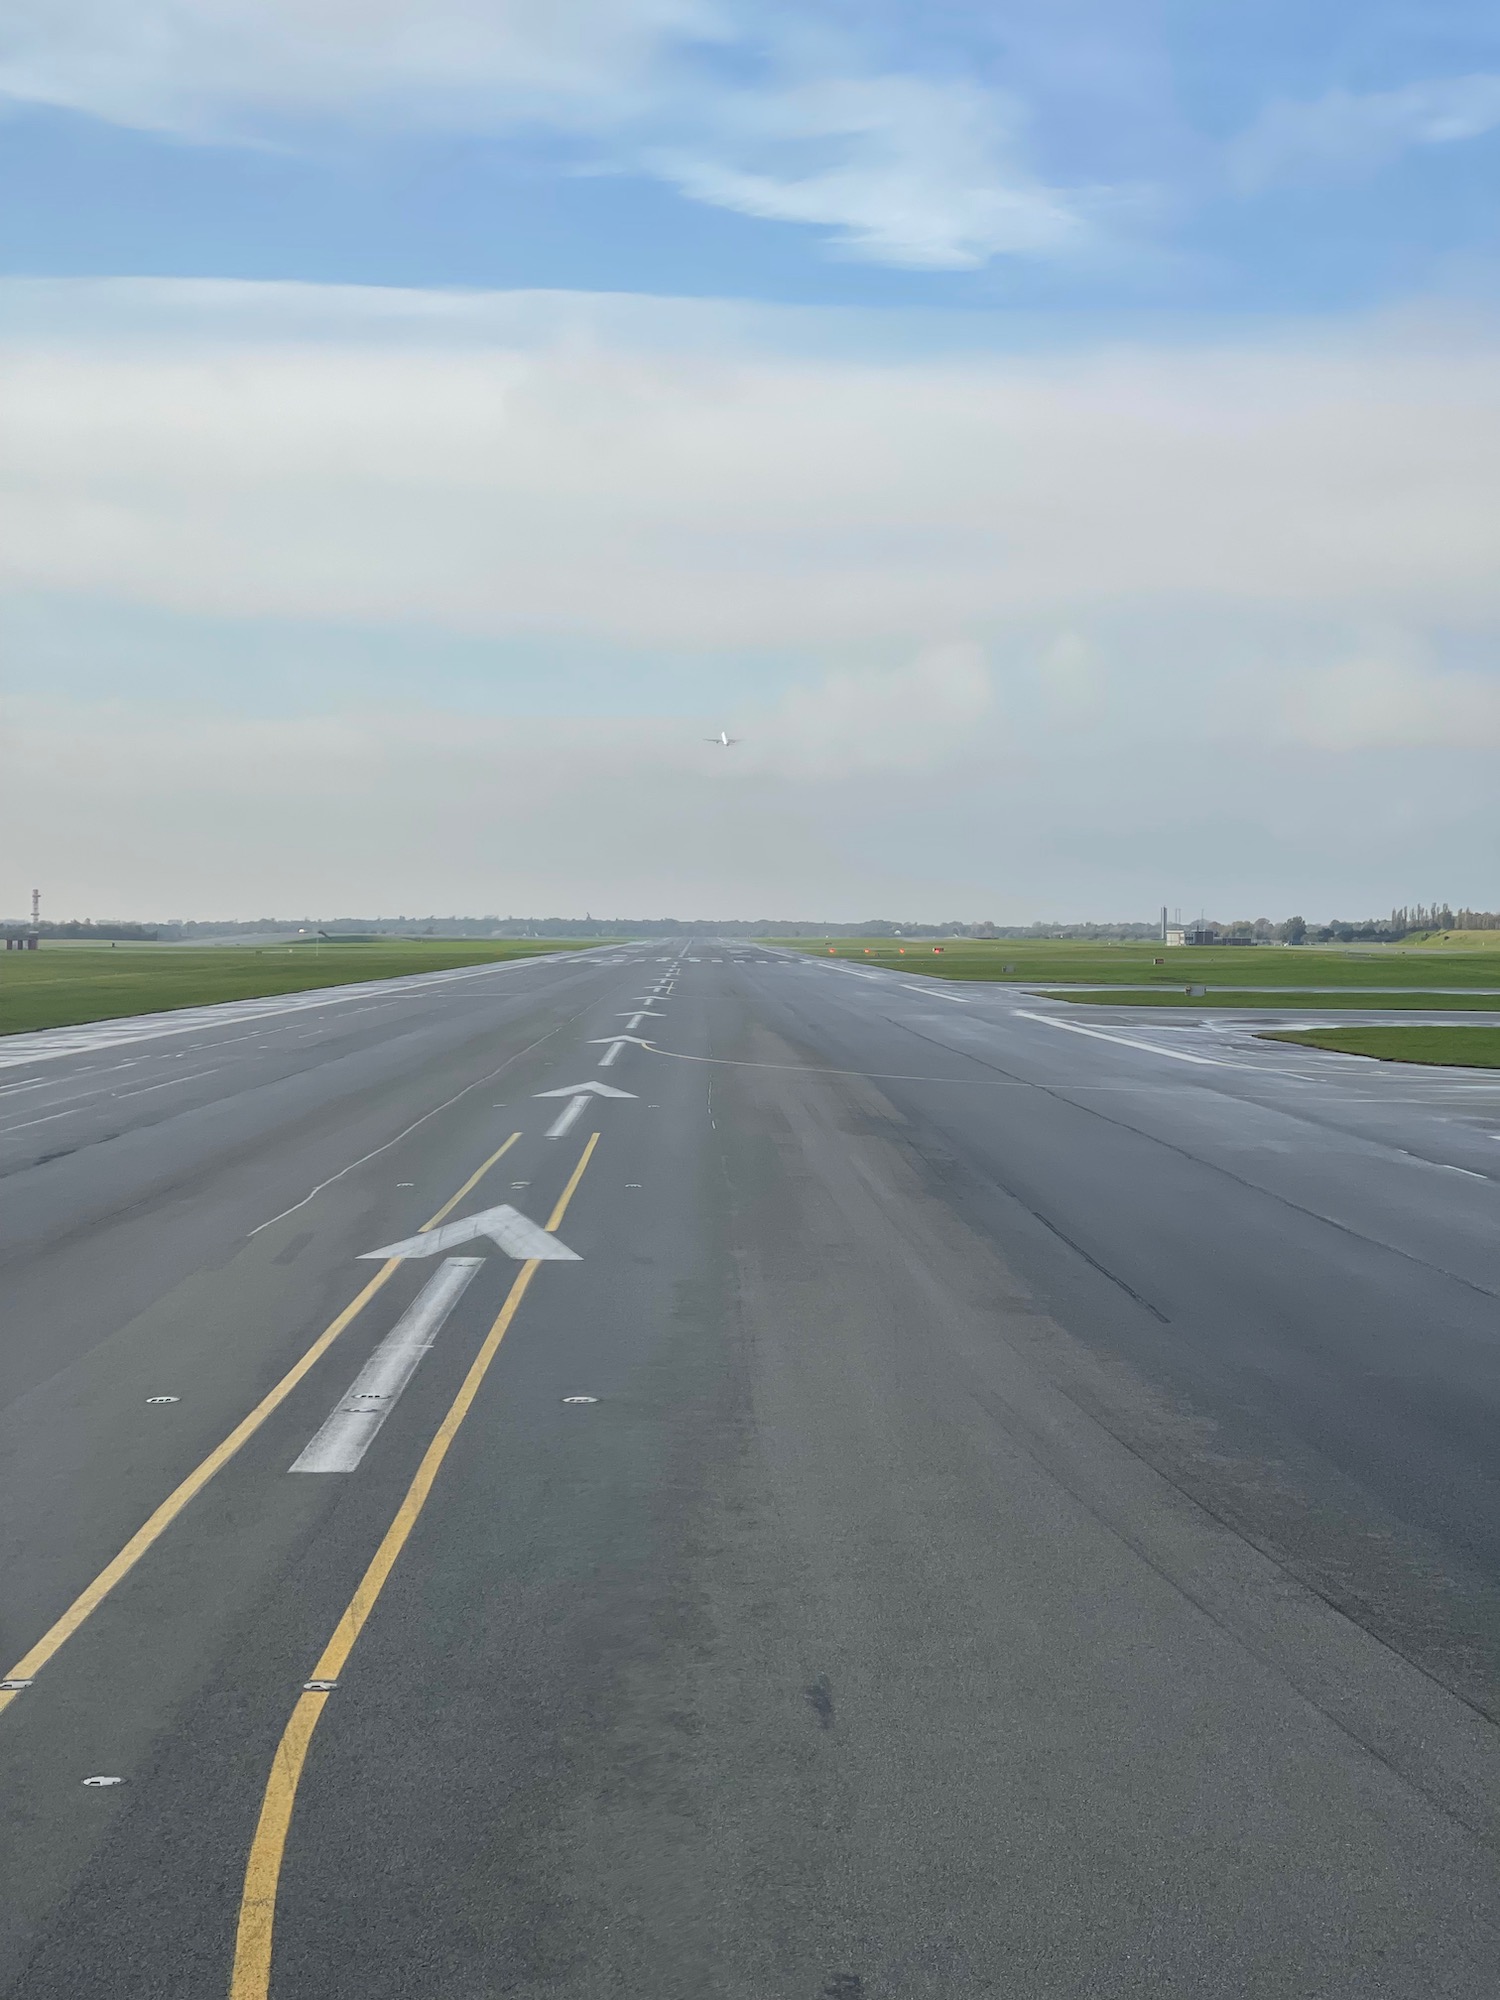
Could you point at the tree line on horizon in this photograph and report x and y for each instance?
(1406, 921)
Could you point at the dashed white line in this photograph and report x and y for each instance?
(26, 1124)
(196, 1077)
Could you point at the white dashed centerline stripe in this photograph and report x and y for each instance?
(567, 1118)
(350, 1430)
(142, 1089)
(26, 1124)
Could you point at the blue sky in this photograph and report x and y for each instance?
(1240, 156)
(950, 383)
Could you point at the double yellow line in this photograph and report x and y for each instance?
(89, 1600)
(251, 1978)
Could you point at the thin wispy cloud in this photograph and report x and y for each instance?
(904, 171)
(1343, 134)
(736, 107)
(237, 69)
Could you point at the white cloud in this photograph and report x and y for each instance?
(124, 810)
(1391, 702)
(907, 718)
(116, 807)
(1347, 134)
(1018, 577)
(922, 174)
(220, 67)
(1072, 678)
(685, 480)
(899, 168)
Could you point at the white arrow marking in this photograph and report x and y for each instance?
(582, 1089)
(351, 1427)
(516, 1234)
(646, 1014)
(578, 1095)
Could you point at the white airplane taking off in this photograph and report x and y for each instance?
(723, 740)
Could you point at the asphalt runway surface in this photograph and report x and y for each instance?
(920, 1492)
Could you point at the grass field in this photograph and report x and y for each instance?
(1344, 1001)
(1463, 1048)
(1232, 968)
(66, 985)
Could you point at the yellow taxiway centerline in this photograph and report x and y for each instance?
(156, 1524)
(251, 1977)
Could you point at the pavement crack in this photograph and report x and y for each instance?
(1059, 1094)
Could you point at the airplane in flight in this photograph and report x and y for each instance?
(723, 740)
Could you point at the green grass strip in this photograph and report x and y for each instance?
(1148, 963)
(63, 986)
(1344, 1002)
(1456, 1048)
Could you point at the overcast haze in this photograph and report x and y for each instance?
(1063, 443)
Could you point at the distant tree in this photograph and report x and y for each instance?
(1293, 931)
